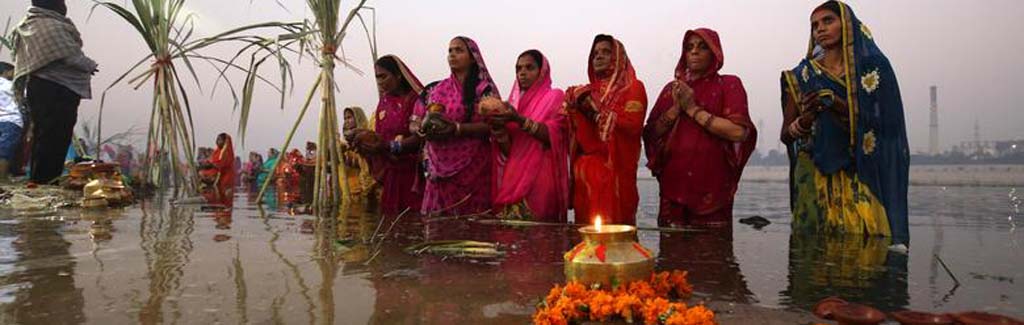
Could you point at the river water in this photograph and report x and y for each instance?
(153, 263)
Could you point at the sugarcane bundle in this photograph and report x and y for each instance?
(167, 31)
(321, 40)
(457, 248)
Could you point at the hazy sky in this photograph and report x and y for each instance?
(969, 49)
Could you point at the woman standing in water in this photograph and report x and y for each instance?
(533, 166)
(607, 118)
(218, 174)
(357, 170)
(458, 150)
(394, 165)
(845, 132)
(251, 170)
(223, 162)
(267, 169)
(699, 137)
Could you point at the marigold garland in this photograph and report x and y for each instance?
(641, 301)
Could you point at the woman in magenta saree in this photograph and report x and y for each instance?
(699, 136)
(533, 163)
(396, 171)
(458, 151)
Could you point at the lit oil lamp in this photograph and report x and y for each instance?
(608, 256)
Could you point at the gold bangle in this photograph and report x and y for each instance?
(665, 119)
(696, 112)
(707, 121)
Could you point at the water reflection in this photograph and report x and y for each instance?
(856, 268)
(166, 244)
(156, 264)
(439, 290)
(327, 261)
(241, 289)
(292, 269)
(37, 274)
(708, 258)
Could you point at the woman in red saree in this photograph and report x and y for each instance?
(289, 174)
(222, 164)
(533, 167)
(607, 119)
(699, 137)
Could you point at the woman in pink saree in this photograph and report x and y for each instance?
(533, 162)
(458, 149)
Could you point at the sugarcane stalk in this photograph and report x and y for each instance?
(288, 140)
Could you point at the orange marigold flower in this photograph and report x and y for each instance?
(676, 314)
(679, 283)
(549, 317)
(627, 305)
(602, 305)
(660, 283)
(575, 290)
(640, 300)
(553, 295)
(700, 315)
(676, 318)
(642, 290)
(653, 308)
(571, 308)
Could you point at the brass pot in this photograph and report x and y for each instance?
(95, 203)
(112, 191)
(608, 256)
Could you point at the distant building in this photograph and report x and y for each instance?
(1010, 148)
(933, 126)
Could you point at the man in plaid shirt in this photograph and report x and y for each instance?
(53, 74)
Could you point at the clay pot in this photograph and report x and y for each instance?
(221, 238)
(979, 318)
(823, 309)
(857, 314)
(909, 317)
(81, 170)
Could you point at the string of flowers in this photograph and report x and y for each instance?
(642, 301)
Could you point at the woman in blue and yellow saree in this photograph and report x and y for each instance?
(845, 132)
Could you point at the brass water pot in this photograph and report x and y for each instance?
(608, 256)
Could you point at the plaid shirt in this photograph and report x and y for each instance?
(48, 45)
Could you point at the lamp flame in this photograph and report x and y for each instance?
(597, 223)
